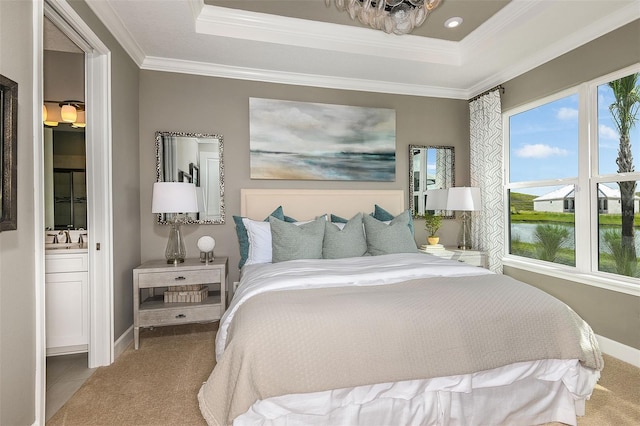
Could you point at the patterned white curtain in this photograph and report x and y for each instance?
(486, 173)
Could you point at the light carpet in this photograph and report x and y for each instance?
(158, 385)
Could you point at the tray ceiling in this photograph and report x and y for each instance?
(306, 43)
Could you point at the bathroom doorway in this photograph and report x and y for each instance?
(95, 102)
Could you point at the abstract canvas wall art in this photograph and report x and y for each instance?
(314, 141)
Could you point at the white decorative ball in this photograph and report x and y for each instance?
(206, 243)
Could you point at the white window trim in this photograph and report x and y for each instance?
(586, 269)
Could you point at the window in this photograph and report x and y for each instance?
(572, 178)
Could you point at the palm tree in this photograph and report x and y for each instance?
(624, 111)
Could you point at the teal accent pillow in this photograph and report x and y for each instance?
(348, 242)
(289, 219)
(383, 215)
(392, 238)
(290, 241)
(243, 237)
(338, 219)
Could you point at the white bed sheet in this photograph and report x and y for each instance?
(524, 393)
(359, 271)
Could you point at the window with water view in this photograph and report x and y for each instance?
(573, 182)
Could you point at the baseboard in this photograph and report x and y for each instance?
(620, 351)
(122, 343)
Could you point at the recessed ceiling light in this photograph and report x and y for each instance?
(453, 22)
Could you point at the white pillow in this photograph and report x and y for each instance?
(259, 234)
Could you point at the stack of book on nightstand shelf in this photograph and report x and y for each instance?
(430, 248)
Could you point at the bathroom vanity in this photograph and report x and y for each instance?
(67, 298)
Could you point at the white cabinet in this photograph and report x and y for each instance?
(67, 303)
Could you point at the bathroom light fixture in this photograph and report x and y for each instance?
(68, 111)
(390, 16)
(177, 198)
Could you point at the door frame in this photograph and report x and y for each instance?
(99, 187)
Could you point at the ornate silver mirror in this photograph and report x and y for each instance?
(430, 167)
(195, 158)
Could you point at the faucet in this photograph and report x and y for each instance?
(55, 238)
(67, 237)
(80, 239)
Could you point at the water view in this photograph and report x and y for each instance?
(525, 232)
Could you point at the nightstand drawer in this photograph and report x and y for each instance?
(183, 314)
(175, 278)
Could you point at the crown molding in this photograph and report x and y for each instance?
(254, 26)
(103, 10)
(586, 34)
(299, 79)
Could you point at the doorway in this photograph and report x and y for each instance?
(97, 65)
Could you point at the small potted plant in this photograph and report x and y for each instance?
(432, 223)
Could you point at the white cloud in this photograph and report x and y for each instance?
(607, 132)
(540, 151)
(567, 114)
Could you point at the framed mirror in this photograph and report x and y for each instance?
(8, 150)
(196, 158)
(430, 167)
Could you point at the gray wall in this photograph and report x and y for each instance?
(179, 102)
(17, 277)
(125, 173)
(611, 314)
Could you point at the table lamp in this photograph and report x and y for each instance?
(436, 200)
(464, 199)
(177, 198)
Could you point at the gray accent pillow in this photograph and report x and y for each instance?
(290, 241)
(348, 242)
(392, 238)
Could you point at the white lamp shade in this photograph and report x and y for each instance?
(436, 199)
(174, 197)
(463, 198)
(68, 113)
(80, 120)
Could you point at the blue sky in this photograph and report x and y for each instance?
(544, 140)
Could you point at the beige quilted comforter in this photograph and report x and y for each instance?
(298, 341)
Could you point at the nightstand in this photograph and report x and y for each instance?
(470, 257)
(150, 310)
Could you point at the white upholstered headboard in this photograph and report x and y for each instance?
(305, 204)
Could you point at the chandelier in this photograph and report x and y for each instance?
(390, 16)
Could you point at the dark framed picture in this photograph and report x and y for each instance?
(9, 150)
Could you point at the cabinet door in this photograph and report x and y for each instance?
(67, 309)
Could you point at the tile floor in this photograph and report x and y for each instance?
(65, 375)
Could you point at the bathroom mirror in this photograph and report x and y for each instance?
(65, 189)
(430, 167)
(195, 158)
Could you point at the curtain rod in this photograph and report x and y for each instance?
(498, 87)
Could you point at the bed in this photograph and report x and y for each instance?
(388, 336)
